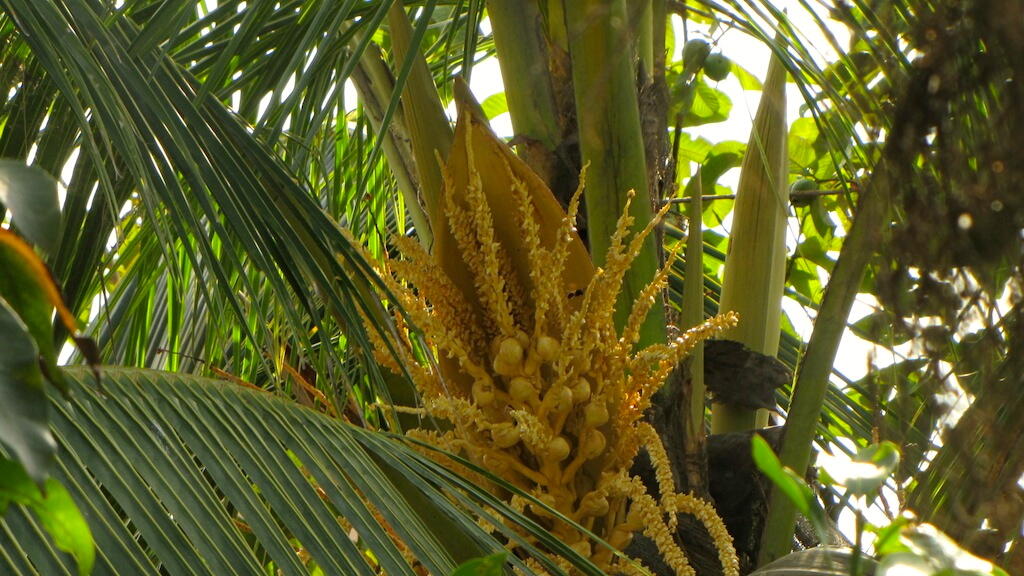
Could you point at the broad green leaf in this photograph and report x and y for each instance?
(709, 105)
(15, 485)
(813, 250)
(720, 160)
(805, 281)
(492, 565)
(803, 135)
(716, 210)
(494, 105)
(27, 286)
(729, 147)
(64, 522)
(791, 484)
(879, 327)
(693, 149)
(55, 510)
(866, 472)
(747, 80)
(24, 418)
(31, 196)
(887, 538)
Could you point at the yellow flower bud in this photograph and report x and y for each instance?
(635, 518)
(561, 402)
(594, 504)
(582, 547)
(594, 444)
(595, 414)
(581, 391)
(505, 435)
(509, 359)
(520, 389)
(483, 393)
(539, 511)
(620, 538)
(558, 449)
(548, 348)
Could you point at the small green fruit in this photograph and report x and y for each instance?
(717, 66)
(802, 185)
(694, 53)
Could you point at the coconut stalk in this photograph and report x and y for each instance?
(375, 86)
(693, 315)
(611, 142)
(812, 376)
(554, 14)
(428, 126)
(755, 267)
(521, 42)
(645, 38)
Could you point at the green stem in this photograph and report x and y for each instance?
(645, 39)
(659, 21)
(521, 42)
(554, 11)
(428, 126)
(816, 366)
(375, 85)
(693, 309)
(611, 142)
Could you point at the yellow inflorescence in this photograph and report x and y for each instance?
(536, 382)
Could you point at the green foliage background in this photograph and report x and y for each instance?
(216, 160)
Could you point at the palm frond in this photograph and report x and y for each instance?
(217, 205)
(196, 476)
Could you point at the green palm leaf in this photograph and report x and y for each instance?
(189, 475)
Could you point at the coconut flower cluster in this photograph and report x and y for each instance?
(533, 381)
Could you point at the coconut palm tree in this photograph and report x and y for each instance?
(354, 336)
